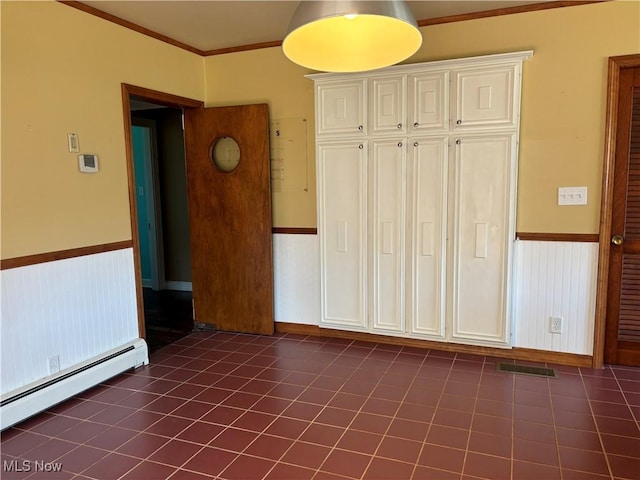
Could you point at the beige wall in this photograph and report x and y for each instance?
(61, 72)
(267, 76)
(563, 103)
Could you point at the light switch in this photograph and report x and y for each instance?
(72, 140)
(572, 196)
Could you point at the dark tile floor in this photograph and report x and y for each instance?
(168, 316)
(227, 406)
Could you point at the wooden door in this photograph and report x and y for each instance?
(230, 217)
(622, 337)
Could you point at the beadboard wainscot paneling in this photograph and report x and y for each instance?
(296, 268)
(555, 279)
(75, 308)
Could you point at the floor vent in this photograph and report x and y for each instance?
(527, 370)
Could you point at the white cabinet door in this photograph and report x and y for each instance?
(428, 207)
(342, 197)
(429, 102)
(389, 111)
(483, 191)
(485, 97)
(388, 226)
(341, 108)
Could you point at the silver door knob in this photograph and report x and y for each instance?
(617, 239)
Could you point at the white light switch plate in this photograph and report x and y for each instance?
(572, 196)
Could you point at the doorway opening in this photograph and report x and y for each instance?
(159, 194)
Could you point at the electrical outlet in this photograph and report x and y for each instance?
(54, 364)
(555, 324)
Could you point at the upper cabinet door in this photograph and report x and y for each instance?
(485, 97)
(389, 105)
(342, 108)
(428, 102)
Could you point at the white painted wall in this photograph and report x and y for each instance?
(79, 308)
(551, 279)
(555, 279)
(76, 308)
(296, 265)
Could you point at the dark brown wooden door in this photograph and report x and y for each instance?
(230, 217)
(622, 340)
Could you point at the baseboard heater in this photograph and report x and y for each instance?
(22, 403)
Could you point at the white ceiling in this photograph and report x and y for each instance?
(212, 24)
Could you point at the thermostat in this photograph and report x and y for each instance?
(88, 163)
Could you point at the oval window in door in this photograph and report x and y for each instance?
(225, 154)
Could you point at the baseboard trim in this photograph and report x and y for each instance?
(524, 354)
(179, 286)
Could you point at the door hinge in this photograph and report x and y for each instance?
(182, 120)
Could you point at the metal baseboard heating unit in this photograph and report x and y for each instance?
(20, 404)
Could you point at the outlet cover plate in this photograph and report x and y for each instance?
(555, 324)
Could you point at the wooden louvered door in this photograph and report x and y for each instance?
(622, 341)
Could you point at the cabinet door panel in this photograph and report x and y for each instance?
(389, 105)
(342, 233)
(484, 193)
(342, 108)
(429, 102)
(389, 195)
(428, 236)
(485, 97)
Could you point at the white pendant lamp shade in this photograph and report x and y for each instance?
(351, 36)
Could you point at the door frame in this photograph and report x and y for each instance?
(160, 98)
(606, 207)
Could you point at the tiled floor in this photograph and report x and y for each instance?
(290, 407)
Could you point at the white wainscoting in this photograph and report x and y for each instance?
(555, 279)
(296, 265)
(76, 309)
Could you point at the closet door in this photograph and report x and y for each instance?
(389, 105)
(388, 227)
(486, 97)
(427, 259)
(341, 108)
(342, 197)
(483, 191)
(429, 102)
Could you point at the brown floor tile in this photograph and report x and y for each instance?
(306, 455)
(322, 434)
(283, 471)
(490, 444)
(385, 469)
(254, 421)
(169, 426)
(111, 467)
(624, 467)
(448, 437)
(81, 458)
(452, 418)
(149, 470)
(361, 442)
(568, 437)
(583, 460)
(442, 458)
(112, 438)
(427, 473)
(210, 461)
(233, 439)
(534, 471)
(535, 452)
(408, 429)
(616, 445)
(268, 446)
(486, 466)
(245, 467)
(349, 464)
(287, 428)
(399, 449)
(142, 445)
(175, 453)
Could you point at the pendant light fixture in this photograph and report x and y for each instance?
(351, 36)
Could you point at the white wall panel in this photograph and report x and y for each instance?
(555, 279)
(75, 308)
(296, 266)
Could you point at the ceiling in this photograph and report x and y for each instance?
(210, 25)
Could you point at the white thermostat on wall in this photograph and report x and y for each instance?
(88, 163)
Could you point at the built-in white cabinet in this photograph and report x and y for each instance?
(342, 108)
(417, 169)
